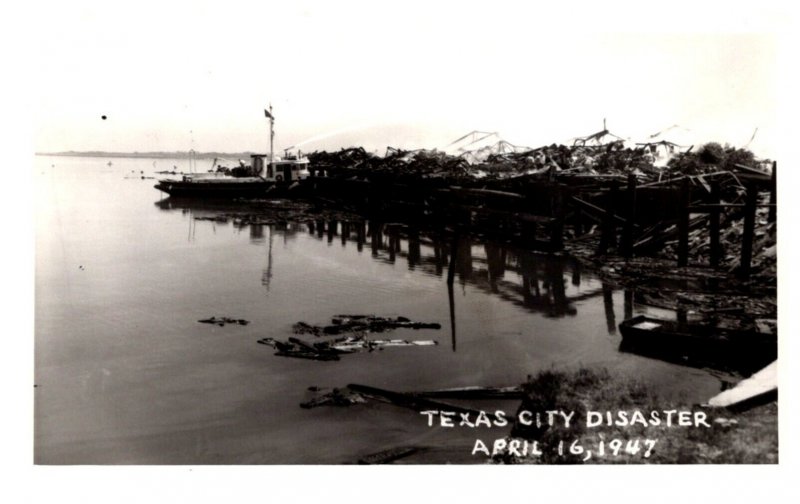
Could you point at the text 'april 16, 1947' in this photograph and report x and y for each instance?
(584, 423)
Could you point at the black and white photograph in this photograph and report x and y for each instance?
(341, 234)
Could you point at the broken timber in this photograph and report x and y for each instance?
(414, 401)
(762, 385)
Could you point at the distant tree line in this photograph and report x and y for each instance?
(150, 155)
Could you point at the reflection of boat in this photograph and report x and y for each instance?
(211, 206)
(699, 344)
(243, 181)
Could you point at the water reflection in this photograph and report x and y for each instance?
(548, 285)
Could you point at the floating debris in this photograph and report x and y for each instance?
(390, 455)
(361, 323)
(337, 397)
(330, 350)
(221, 321)
(417, 402)
(476, 393)
(300, 349)
(358, 343)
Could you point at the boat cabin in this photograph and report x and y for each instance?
(281, 170)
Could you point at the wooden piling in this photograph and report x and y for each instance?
(628, 305)
(683, 223)
(681, 316)
(627, 230)
(576, 274)
(715, 251)
(451, 275)
(608, 238)
(749, 230)
(773, 197)
(557, 226)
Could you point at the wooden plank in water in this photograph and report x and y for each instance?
(476, 393)
(762, 382)
(389, 456)
(414, 401)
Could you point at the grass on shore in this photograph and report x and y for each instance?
(749, 437)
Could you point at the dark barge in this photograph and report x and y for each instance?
(698, 345)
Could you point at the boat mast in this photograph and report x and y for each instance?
(271, 134)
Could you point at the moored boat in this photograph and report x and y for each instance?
(259, 178)
(263, 173)
(698, 344)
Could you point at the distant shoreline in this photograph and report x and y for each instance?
(149, 155)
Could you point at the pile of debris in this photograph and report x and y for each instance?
(764, 260)
(587, 157)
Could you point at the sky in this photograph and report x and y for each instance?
(175, 76)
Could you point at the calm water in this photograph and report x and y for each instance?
(126, 374)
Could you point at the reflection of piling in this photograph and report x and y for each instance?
(393, 246)
(496, 261)
(361, 235)
(439, 256)
(464, 256)
(332, 228)
(345, 232)
(320, 228)
(608, 304)
(375, 236)
(451, 273)
(256, 232)
(414, 249)
(396, 244)
(555, 278)
(530, 279)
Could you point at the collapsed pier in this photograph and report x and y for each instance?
(715, 207)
